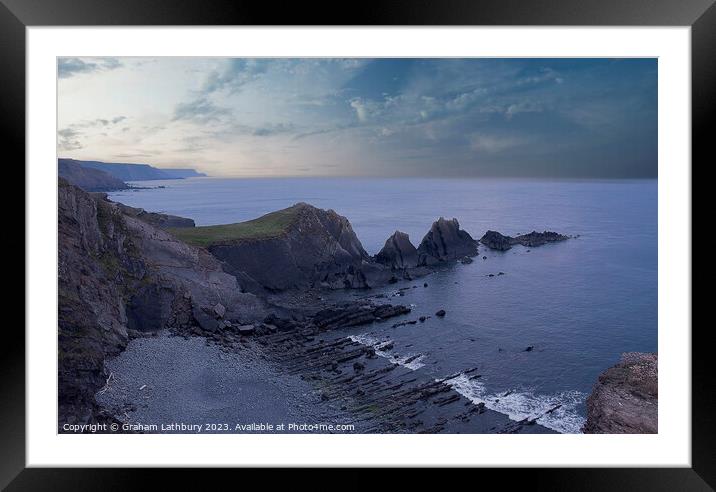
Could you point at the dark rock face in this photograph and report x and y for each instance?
(445, 241)
(163, 221)
(495, 240)
(625, 398)
(88, 179)
(319, 248)
(119, 275)
(398, 252)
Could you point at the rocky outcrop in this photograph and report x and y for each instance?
(625, 398)
(445, 241)
(535, 238)
(495, 240)
(312, 247)
(88, 179)
(119, 275)
(164, 221)
(356, 315)
(398, 252)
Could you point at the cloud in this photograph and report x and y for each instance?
(522, 107)
(269, 130)
(237, 73)
(68, 139)
(200, 110)
(70, 136)
(69, 67)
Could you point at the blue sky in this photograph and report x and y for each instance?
(583, 118)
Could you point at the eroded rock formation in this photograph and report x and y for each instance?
(625, 398)
(398, 252)
(445, 241)
(495, 240)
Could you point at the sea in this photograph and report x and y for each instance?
(539, 324)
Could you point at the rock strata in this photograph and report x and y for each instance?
(625, 398)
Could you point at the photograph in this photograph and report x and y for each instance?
(262, 245)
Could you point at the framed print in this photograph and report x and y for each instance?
(442, 235)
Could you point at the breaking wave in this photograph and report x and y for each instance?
(410, 361)
(556, 412)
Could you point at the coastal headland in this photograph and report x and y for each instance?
(151, 285)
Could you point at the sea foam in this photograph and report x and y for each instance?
(524, 404)
(409, 361)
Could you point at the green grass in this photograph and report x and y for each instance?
(270, 225)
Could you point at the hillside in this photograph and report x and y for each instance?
(88, 179)
(135, 172)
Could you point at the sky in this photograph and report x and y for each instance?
(386, 117)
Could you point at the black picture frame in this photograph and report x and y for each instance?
(17, 15)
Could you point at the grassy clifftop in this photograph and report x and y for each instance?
(267, 226)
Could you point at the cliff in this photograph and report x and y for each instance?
(301, 246)
(134, 172)
(625, 398)
(88, 179)
(119, 275)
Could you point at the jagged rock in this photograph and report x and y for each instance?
(219, 310)
(625, 398)
(535, 238)
(495, 240)
(445, 241)
(398, 252)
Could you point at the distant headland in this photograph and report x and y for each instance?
(112, 176)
